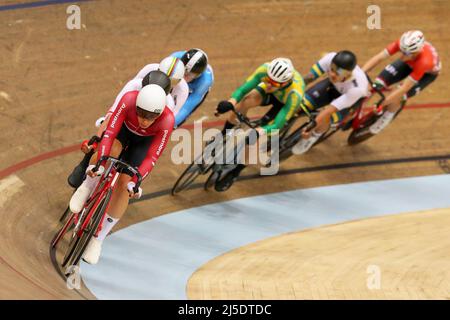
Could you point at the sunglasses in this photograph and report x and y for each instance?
(276, 84)
(341, 72)
(148, 115)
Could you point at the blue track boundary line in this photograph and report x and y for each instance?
(36, 4)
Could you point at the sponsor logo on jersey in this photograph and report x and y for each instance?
(163, 141)
(113, 123)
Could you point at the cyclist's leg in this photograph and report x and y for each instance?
(393, 73)
(253, 99)
(225, 182)
(317, 97)
(84, 190)
(134, 155)
(424, 82)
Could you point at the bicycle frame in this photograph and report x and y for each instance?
(111, 176)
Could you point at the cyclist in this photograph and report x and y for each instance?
(345, 87)
(172, 67)
(199, 77)
(140, 126)
(177, 93)
(418, 65)
(275, 83)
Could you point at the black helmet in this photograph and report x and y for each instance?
(157, 77)
(195, 61)
(345, 60)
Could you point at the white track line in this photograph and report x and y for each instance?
(8, 187)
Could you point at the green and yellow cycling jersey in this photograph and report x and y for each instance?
(291, 96)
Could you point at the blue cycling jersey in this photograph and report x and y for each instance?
(198, 88)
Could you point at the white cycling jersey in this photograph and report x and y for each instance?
(352, 89)
(174, 100)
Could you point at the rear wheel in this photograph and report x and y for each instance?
(210, 182)
(64, 215)
(187, 178)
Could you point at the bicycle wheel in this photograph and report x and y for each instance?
(63, 230)
(92, 228)
(326, 135)
(64, 215)
(75, 240)
(286, 145)
(70, 250)
(211, 180)
(187, 178)
(363, 133)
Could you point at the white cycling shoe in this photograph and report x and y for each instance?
(79, 198)
(305, 144)
(93, 250)
(382, 122)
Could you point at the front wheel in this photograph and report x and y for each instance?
(363, 133)
(92, 228)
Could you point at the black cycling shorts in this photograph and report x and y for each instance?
(134, 147)
(322, 94)
(399, 70)
(269, 99)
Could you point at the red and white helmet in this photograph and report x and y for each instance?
(412, 42)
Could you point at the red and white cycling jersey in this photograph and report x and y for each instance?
(426, 61)
(125, 114)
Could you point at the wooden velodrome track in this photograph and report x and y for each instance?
(54, 83)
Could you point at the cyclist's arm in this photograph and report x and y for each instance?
(194, 99)
(104, 125)
(157, 146)
(323, 119)
(113, 128)
(319, 68)
(251, 83)
(399, 92)
(345, 101)
(391, 49)
(289, 109)
(375, 60)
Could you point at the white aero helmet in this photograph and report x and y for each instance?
(412, 42)
(281, 70)
(173, 67)
(151, 98)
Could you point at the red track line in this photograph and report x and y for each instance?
(55, 153)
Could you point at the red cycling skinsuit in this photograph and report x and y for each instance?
(124, 119)
(423, 69)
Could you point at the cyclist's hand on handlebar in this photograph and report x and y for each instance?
(223, 107)
(130, 187)
(91, 173)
